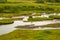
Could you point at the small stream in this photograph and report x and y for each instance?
(11, 27)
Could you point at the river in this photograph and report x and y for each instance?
(11, 27)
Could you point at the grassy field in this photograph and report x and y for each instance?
(32, 35)
(25, 7)
(10, 8)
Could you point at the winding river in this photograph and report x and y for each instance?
(11, 27)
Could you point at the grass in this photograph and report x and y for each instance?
(13, 19)
(26, 8)
(55, 16)
(9, 15)
(32, 35)
(39, 19)
(52, 25)
(6, 21)
(19, 9)
(30, 7)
